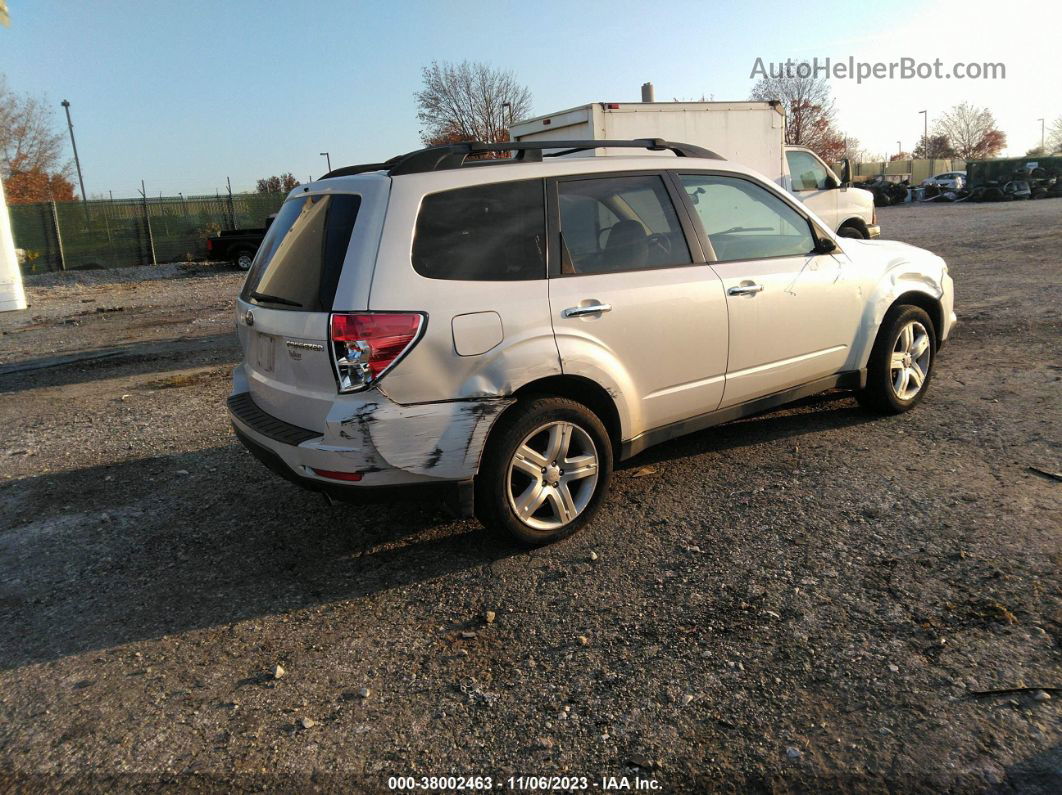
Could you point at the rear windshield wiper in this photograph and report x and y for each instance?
(273, 299)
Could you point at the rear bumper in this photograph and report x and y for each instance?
(388, 444)
(450, 491)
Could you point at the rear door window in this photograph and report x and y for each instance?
(300, 260)
(493, 232)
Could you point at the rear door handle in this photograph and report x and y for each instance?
(745, 289)
(589, 309)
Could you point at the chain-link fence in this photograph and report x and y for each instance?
(123, 232)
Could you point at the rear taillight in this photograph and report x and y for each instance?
(210, 244)
(366, 344)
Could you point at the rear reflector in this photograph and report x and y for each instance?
(365, 344)
(352, 477)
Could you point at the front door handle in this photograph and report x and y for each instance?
(589, 309)
(745, 289)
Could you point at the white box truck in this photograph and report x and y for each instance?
(749, 133)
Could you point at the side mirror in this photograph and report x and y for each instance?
(830, 183)
(824, 245)
(846, 172)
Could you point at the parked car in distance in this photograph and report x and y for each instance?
(950, 180)
(507, 330)
(237, 246)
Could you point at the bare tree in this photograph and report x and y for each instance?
(281, 184)
(31, 148)
(808, 106)
(1054, 136)
(939, 147)
(973, 132)
(469, 102)
(853, 150)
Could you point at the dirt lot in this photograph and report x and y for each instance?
(812, 599)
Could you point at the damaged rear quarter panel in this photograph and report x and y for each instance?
(441, 440)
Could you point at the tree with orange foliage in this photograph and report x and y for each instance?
(31, 151)
(27, 187)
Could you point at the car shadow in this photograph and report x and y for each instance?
(103, 556)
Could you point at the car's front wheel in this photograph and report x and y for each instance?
(901, 363)
(545, 470)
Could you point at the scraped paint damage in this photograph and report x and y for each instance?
(442, 440)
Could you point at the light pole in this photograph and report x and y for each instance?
(899, 148)
(328, 159)
(925, 133)
(73, 143)
(1041, 134)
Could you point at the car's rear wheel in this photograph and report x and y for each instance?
(544, 471)
(901, 363)
(243, 259)
(851, 231)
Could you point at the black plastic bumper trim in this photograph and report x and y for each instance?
(246, 411)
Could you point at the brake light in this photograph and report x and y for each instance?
(367, 344)
(210, 244)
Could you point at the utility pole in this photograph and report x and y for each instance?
(925, 133)
(1042, 135)
(73, 143)
(232, 206)
(328, 158)
(147, 222)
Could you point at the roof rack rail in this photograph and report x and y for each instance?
(449, 156)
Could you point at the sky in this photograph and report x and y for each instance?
(183, 94)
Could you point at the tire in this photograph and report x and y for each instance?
(505, 481)
(243, 258)
(851, 231)
(889, 391)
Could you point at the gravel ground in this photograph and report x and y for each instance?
(812, 599)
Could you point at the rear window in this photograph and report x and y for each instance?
(490, 232)
(300, 260)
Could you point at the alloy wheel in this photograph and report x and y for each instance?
(911, 357)
(552, 475)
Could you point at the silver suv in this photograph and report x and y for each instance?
(508, 329)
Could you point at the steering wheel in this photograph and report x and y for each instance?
(661, 241)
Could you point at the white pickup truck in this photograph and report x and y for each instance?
(749, 133)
